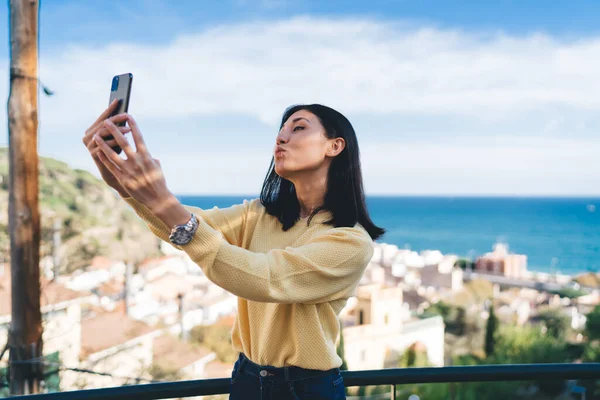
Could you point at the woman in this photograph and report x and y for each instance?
(292, 257)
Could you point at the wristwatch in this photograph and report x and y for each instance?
(183, 234)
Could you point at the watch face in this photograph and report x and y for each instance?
(183, 234)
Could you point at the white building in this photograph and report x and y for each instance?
(378, 329)
(61, 313)
(113, 344)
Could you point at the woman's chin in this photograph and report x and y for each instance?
(282, 172)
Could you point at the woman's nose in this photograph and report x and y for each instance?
(282, 137)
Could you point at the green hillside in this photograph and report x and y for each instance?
(94, 220)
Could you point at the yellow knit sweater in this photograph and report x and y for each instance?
(291, 286)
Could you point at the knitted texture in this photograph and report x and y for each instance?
(291, 286)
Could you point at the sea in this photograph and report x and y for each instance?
(558, 235)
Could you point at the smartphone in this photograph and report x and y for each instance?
(120, 89)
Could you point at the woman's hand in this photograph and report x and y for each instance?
(99, 128)
(139, 174)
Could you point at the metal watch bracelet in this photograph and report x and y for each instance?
(183, 234)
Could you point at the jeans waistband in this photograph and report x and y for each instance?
(285, 374)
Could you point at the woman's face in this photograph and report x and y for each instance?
(301, 145)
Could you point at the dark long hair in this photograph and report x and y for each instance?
(344, 198)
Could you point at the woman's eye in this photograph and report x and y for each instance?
(298, 127)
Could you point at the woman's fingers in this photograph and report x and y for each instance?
(104, 133)
(109, 153)
(105, 114)
(114, 169)
(119, 118)
(111, 143)
(98, 125)
(118, 136)
(140, 145)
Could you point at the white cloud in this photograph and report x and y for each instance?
(488, 166)
(356, 65)
(359, 66)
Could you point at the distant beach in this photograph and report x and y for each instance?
(557, 234)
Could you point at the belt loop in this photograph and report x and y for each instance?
(243, 361)
(286, 371)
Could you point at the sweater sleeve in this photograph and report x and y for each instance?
(230, 222)
(327, 267)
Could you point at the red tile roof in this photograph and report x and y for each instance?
(106, 330)
(111, 288)
(150, 263)
(51, 293)
(100, 262)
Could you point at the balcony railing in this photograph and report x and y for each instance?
(393, 377)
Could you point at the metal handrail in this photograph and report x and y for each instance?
(392, 376)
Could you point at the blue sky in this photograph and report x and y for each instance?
(447, 97)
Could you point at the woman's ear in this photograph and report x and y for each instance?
(336, 146)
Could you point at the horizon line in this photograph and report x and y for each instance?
(466, 195)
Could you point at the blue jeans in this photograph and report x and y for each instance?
(250, 381)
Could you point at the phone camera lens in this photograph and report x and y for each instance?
(115, 84)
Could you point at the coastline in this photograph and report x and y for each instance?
(558, 234)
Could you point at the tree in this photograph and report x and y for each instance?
(461, 321)
(381, 389)
(527, 345)
(490, 332)
(217, 338)
(362, 391)
(511, 345)
(409, 358)
(480, 290)
(440, 308)
(161, 373)
(464, 264)
(570, 293)
(556, 322)
(340, 349)
(591, 353)
(3, 382)
(592, 324)
(414, 356)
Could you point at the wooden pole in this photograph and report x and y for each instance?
(25, 341)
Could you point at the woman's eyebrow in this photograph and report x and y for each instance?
(299, 118)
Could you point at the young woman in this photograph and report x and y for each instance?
(292, 257)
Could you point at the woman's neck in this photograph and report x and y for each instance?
(311, 195)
